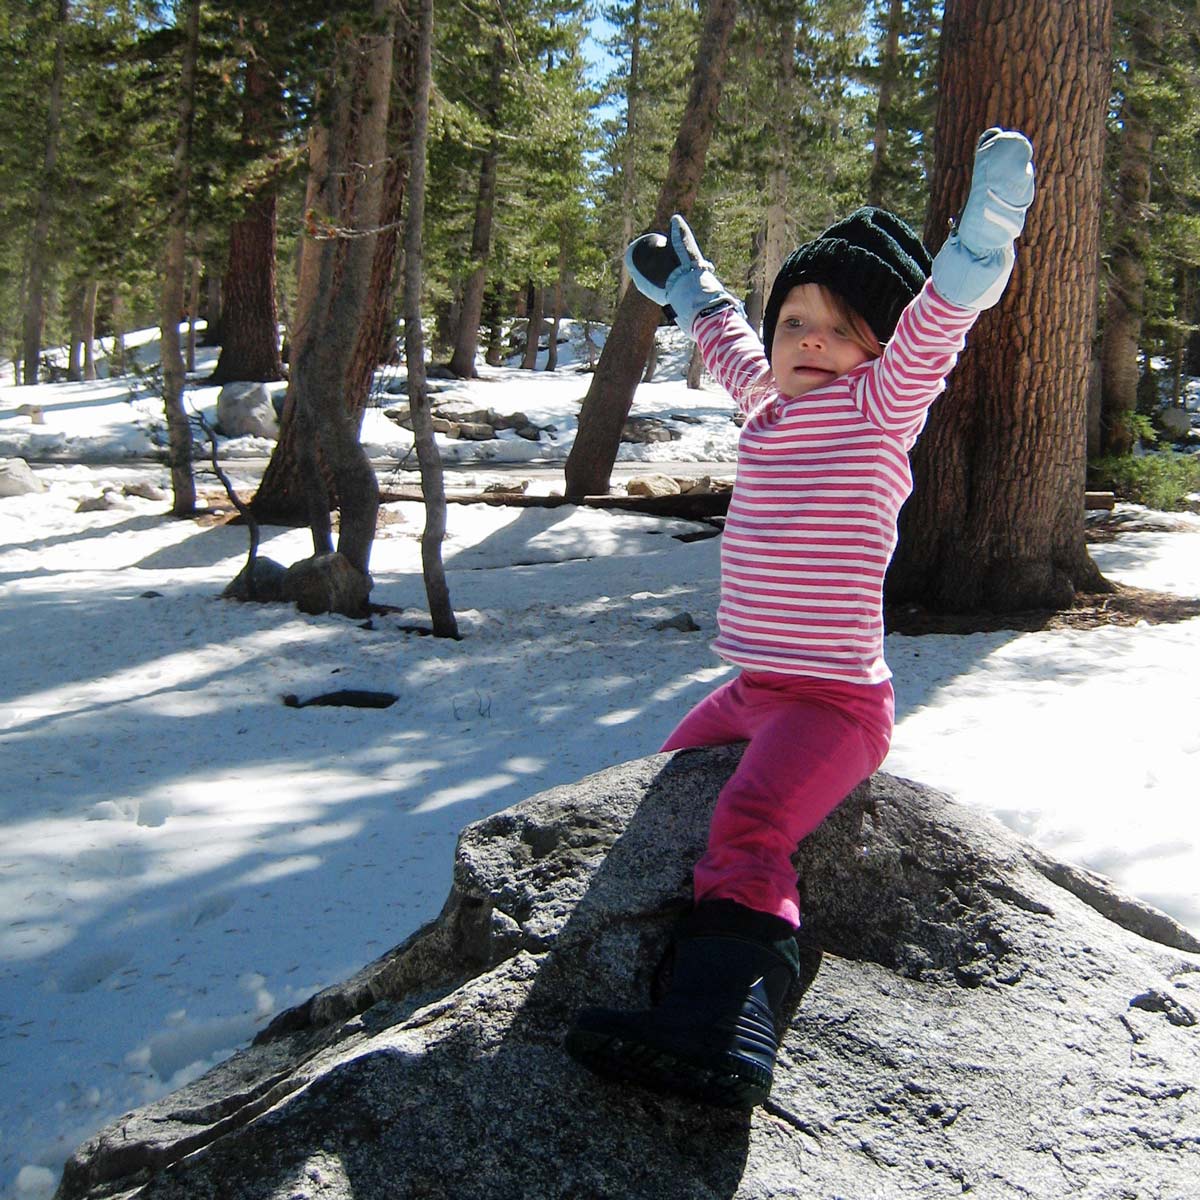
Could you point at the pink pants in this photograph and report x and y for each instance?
(812, 741)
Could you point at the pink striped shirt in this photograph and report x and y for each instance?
(820, 481)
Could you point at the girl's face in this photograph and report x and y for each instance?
(815, 342)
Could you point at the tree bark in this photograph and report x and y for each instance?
(377, 334)
(495, 327)
(756, 283)
(888, 70)
(996, 520)
(1126, 295)
(533, 330)
(193, 309)
(466, 341)
(610, 395)
(91, 292)
(39, 243)
(117, 364)
(75, 336)
(336, 282)
(179, 431)
(433, 489)
(212, 308)
(777, 228)
(282, 496)
(629, 150)
(250, 316)
(556, 315)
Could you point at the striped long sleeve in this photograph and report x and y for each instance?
(820, 481)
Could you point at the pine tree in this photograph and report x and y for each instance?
(437, 590)
(995, 521)
(47, 193)
(903, 77)
(1151, 222)
(174, 262)
(609, 398)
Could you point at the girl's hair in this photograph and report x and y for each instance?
(861, 332)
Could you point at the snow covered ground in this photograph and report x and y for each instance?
(183, 855)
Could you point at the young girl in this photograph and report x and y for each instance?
(857, 344)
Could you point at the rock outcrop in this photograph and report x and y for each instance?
(973, 1017)
(247, 410)
(17, 478)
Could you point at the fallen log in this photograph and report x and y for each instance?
(688, 506)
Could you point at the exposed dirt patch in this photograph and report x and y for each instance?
(1125, 606)
(1122, 606)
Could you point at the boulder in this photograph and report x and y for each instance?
(326, 583)
(403, 418)
(34, 412)
(648, 429)
(972, 1017)
(108, 500)
(475, 431)
(144, 490)
(1176, 422)
(18, 479)
(653, 485)
(247, 410)
(263, 581)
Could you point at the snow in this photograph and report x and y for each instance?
(184, 855)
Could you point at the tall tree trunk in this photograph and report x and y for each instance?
(495, 326)
(556, 315)
(1126, 297)
(629, 150)
(91, 292)
(889, 67)
(179, 431)
(282, 495)
(610, 396)
(193, 309)
(756, 282)
(349, 188)
(466, 341)
(996, 518)
(533, 330)
(75, 334)
(39, 243)
(249, 315)
(433, 489)
(1188, 306)
(117, 363)
(212, 307)
(377, 334)
(250, 341)
(777, 229)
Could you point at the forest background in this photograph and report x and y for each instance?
(187, 160)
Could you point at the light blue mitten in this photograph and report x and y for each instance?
(972, 268)
(672, 272)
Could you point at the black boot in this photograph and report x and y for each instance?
(714, 1036)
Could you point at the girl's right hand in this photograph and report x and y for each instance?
(672, 272)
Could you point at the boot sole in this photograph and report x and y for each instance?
(719, 1083)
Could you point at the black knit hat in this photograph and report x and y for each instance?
(873, 259)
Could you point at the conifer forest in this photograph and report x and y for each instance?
(294, 181)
